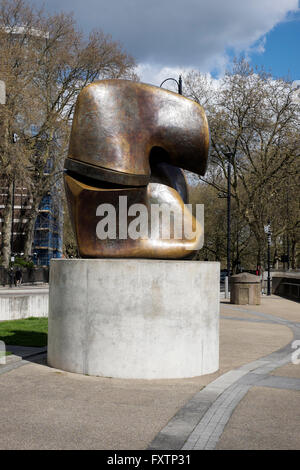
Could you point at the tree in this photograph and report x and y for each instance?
(70, 249)
(215, 228)
(45, 62)
(254, 122)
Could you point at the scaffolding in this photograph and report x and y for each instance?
(48, 231)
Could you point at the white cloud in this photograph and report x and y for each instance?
(259, 47)
(155, 75)
(171, 35)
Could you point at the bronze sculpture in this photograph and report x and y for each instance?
(129, 142)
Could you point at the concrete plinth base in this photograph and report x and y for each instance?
(134, 318)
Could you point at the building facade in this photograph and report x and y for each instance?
(48, 240)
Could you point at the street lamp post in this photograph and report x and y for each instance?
(288, 218)
(229, 155)
(269, 259)
(14, 140)
(179, 83)
(12, 219)
(267, 229)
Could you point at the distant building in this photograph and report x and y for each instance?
(48, 231)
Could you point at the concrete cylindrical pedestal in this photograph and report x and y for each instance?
(134, 318)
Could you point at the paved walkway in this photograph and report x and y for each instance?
(24, 290)
(252, 402)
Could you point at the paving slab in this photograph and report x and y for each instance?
(45, 408)
(232, 313)
(289, 370)
(278, 306)
(50, 409)
(18, 353)
(266, 419)
(242, 342)
(227, 391)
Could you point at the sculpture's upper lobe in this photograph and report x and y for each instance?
(117, 123)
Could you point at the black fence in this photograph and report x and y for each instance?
(288, 287)
(37, 275)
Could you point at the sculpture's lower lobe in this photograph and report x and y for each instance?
(84, 201)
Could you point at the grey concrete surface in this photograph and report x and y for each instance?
(252, 402)
(24, 289)
(224, 394)
(44, 408)
(22, 352)
(125, 319)
(19, 356)
(288, 370)
(23, 302)
(266, 419)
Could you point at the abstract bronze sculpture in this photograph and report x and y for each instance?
(128, 145)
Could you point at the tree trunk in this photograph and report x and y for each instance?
(260, 260)
(30, 229)
(6, 228)
(293, 255)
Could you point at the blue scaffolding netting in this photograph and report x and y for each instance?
(48, 231)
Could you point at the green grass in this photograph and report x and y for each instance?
(26, 332)
(7, 353)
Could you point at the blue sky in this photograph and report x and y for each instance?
(168, 37)
(282, 49)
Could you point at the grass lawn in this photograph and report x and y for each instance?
(7, 353)
(26, 332)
